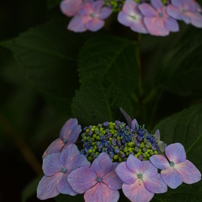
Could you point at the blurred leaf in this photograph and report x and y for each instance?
(52, 3)
(184, 127)
(98, 100)
(181, 68)
(63, 198)
(48, 57)
(30, 189)
(113, 58)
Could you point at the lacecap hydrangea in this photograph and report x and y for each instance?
(114, 155)
(155, 17)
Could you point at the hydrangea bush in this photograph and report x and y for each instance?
(114, 156)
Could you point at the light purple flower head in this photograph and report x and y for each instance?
(68, 134)
(156, 19)
(57, 167)
(186, 10)
(131, 16)
(90, 16)
(99, 182)
(178, 169)
(140, 179)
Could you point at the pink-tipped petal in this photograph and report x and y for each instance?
(102, 165)
(77, 24)
(51, 164)
(155, 184)
(157, 4)
(47, 187)
(155, 26)
(160, 162)
(94, 24)
(125, 174)
(74, 134)
(137, 192)
(148, 169)
(172, 178)
(147, 10)
(134, 164)
(70, 7)
(67, 128)
(82, 179)
(112, 180)
(189, 172)
(171, 25)
(175, 153)
(54, 147)
(64, 186)
(100, 192)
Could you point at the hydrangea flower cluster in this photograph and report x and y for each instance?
(114, 156)
(156, 17)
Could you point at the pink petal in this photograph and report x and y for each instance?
(97, 5)
(171, 25)
(47, 187)
(175, 153)
(70, 7)
(155, 184)
(137, 192)
(155, 26)
(67, 155)
(100, 192)
(78, 24)
(125, 174)
(134, 164)
(160, 162)
(157, 4)
(94, 24)
(51, 164)
(54, 147)
(104, 13)
(67, 128)
(64, 186)
(112, 180)
(172, 178)
(148, 170)
(82, 179)
(102, 165)
(130, 8)
(147, 10)
(189, 172)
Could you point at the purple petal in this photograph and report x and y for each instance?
(134, 123)
(96, 6)
(157, 4)
(137, 191)
(126, 20)
(155, 26)
(175, 153)
(77, 24)
(85, 9)
(102, 165)
(160, 162)
(196, 20)
(112, 180)
(148, 170)
(139, 27)
(82, 179)
(130, 8)
(67, 128)
(70, 7)
(134, 164)
(47, 187)
(67, 155)
(174, 12)
(157, 135)
(189, 172)
(54, 147)
(155, 184)
(147, 10)
(178, 3)
(51, 164)
(125, 174)
(64, 186)
(171, 25)
(94, 24)
(104, 13)
(100, 192)
(74, 134)
(172, 178)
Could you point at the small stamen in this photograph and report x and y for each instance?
(65, 141)
(99, 179)
(172, 164)
(140, 175)
(64, 170)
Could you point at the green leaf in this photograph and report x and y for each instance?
(98, 100)
(47, 55)
(181, 68)
(63, 198)
(113, 58)
(184, 127)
